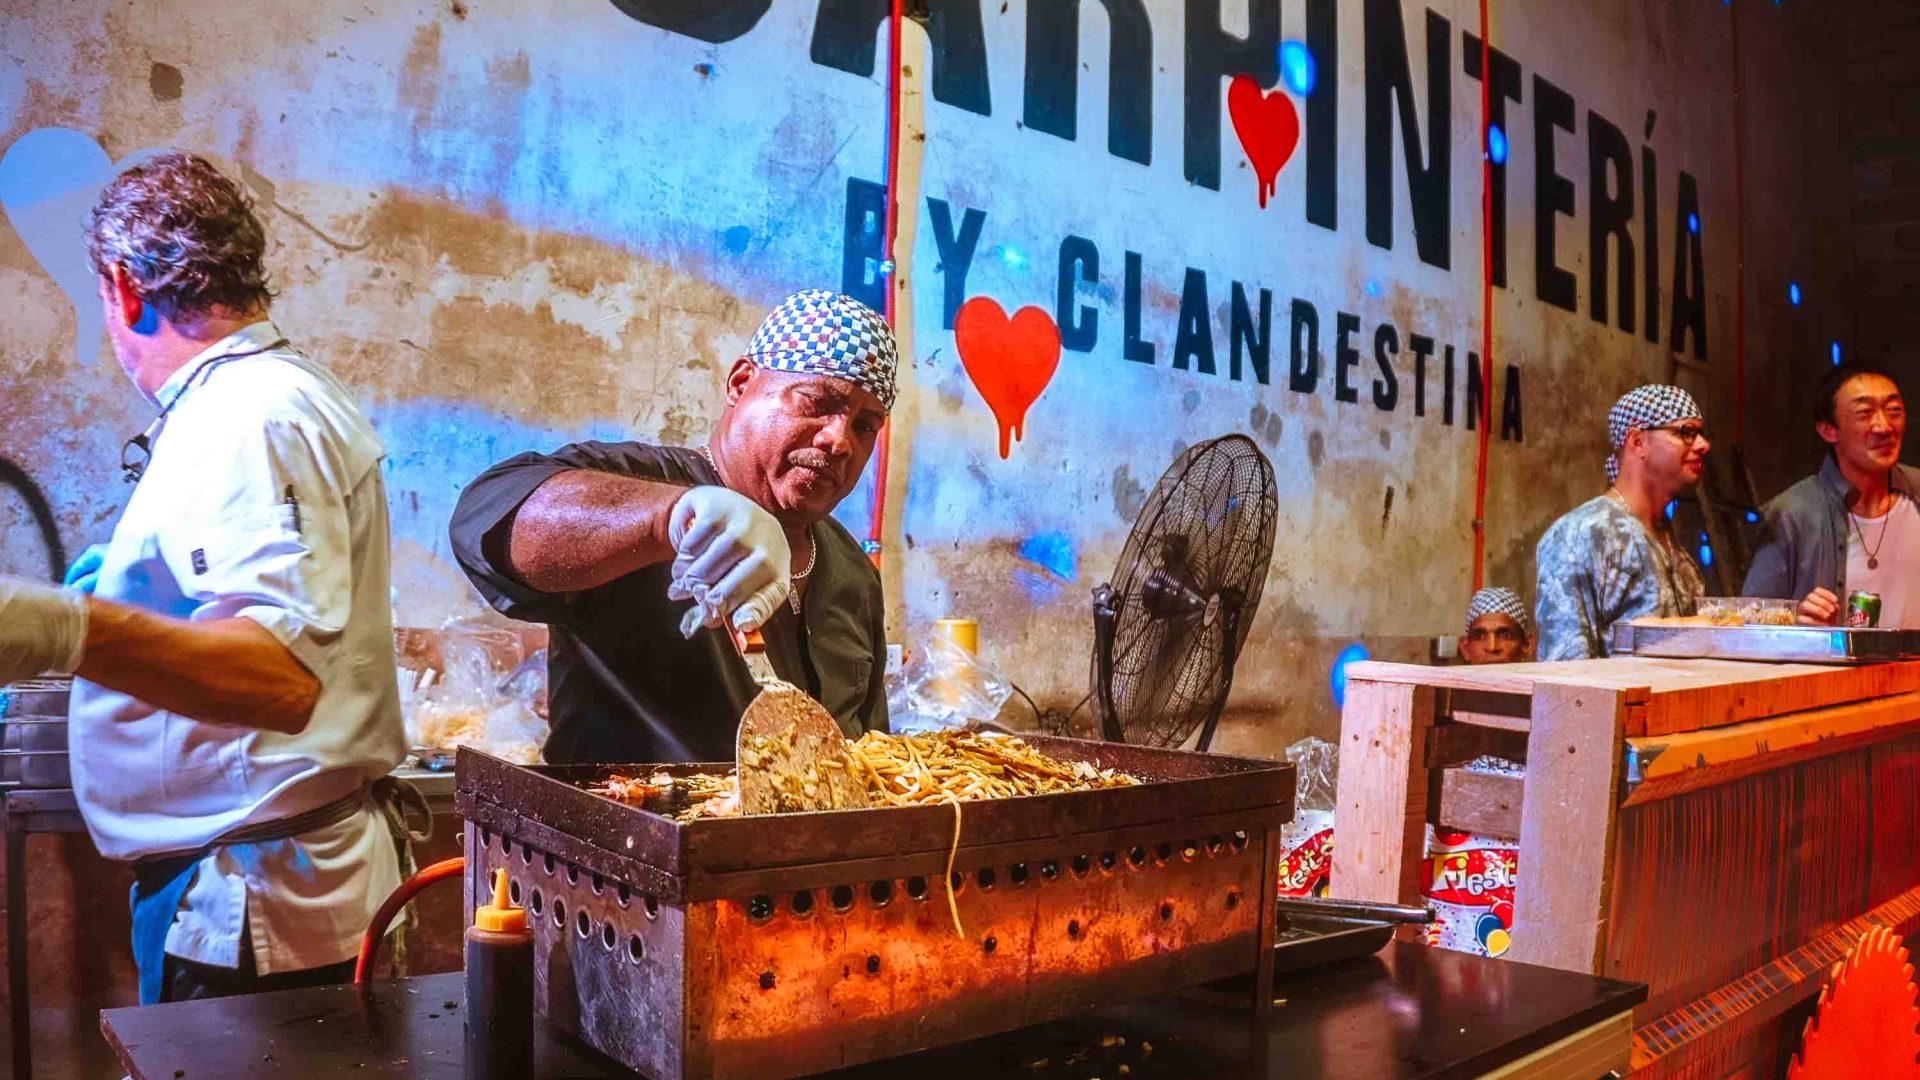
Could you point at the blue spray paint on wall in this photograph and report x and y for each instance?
(1054, 563)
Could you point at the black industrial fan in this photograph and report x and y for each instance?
(1168, 629)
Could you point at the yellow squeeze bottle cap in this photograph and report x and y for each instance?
(501, 916)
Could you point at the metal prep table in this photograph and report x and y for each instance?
(24, 811)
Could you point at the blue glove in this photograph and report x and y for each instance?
(84, 574)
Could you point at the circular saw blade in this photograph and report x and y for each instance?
(1865, 1023)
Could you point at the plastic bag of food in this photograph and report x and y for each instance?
(1307, 840)
(467, 702)
(943, 686)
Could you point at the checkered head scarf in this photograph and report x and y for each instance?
(1650, 406)
(818, 332)
(1506, 602)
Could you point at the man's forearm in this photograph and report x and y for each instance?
(227, 671)
(583, 528)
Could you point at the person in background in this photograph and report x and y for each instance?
(1612, 558)
(1499, 628)
(1853, 524)
(236, 711)
(627, 550)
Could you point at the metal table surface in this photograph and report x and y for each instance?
(24, 811)
(1411, 1013)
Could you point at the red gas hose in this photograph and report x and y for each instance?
(377, 929)
(876, 524)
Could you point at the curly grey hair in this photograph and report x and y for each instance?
(184, 233)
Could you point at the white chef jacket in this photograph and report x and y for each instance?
(263, 499)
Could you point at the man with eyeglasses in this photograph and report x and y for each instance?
(1499, 628)
(1853, 524)
(235, 712)
(1612, 557)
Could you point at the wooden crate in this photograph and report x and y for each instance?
(1719, 830)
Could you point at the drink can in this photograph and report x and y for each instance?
(1863, 609)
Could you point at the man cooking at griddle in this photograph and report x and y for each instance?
(636, 556)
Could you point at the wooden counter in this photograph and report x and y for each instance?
(1722, 831)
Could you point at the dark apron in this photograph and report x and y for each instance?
(160, 883)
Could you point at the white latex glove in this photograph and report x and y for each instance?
(730, 558)
(43, 629)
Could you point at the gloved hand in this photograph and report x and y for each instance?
(43, 630)
(84, 574)
(730, 558)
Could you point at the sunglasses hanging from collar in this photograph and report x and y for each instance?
(137, 452)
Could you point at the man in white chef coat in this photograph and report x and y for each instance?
(235, 711)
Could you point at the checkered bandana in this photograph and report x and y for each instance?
(817, 332)
(1505, 602)
(1649, 406)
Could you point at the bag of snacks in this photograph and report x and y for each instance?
(1307, 840)
(1469, 883)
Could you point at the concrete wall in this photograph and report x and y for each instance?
(507, 226)
(511, 225)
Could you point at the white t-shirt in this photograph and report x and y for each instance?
(263, 500)
(1895, 540)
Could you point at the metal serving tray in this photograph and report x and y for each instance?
(772, 947)
(1779, 644)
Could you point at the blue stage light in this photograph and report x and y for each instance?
(1834, 351)
(1793, 293)
(1297, 68)
(1693, 224)
(1496, 145)
(1352, 654)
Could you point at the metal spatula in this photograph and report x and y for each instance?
(791, 754)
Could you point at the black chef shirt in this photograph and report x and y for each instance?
(624, 686)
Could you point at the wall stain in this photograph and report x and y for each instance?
(420, 77)
(1316, 448)
(1128, 494)
(1386, 509)
(165, 82)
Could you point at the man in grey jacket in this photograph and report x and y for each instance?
(1853, 524)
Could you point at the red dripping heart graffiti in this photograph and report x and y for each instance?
(1268, 126)
(1010, 361)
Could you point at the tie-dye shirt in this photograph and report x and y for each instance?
(1596, 566)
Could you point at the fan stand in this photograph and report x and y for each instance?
(1105, 618)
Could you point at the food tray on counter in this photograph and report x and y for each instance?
(1777, 644)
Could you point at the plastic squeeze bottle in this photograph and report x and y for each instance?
(499, 1011)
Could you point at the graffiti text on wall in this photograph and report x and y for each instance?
(1435, 384)
(844, 39)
